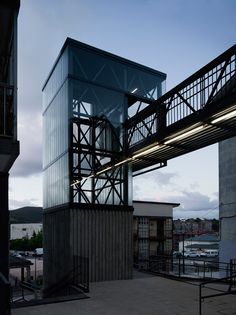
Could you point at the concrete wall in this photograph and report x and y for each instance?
(153, 209)
(227, 199)
(101, 233)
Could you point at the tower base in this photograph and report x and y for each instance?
(100, 235)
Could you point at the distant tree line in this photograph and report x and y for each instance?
(26, 243)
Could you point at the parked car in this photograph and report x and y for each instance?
(212, 253)
(16, 254)
(190, 254)
(38, 252)
(203, 254)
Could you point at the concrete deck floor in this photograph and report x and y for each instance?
(144, 295)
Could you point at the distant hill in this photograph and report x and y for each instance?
(27, 215)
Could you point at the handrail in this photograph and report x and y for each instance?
(199, 268)
(198, 74)
(226, 280)
(188, 103)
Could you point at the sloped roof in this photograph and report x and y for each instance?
(203, 246)
(204, 238)
(18, 262)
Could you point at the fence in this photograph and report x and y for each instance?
(220, 287)
(187, 267)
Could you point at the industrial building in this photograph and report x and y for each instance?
(21, 230)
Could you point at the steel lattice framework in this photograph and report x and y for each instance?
(198, 112)
(95, 140)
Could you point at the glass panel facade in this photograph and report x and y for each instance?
(56, 79)
(85, 105)
(107, 70)
(56, 183)
(55, 136)
(55, 127)
(87, 99)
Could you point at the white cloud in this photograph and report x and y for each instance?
(25, 191)
(170, 187)
(29, 161)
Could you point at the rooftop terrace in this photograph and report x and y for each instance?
(144, 295)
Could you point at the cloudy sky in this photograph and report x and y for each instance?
(173, 36)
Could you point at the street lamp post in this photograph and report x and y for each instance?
(35, 268)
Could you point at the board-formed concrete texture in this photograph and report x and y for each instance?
(227, 199)
(104, 236)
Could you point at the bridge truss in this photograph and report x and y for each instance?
(198, 112)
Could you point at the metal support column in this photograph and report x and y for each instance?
(4, 246)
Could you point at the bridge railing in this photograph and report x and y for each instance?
(191, 97)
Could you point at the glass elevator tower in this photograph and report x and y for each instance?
(88, 209)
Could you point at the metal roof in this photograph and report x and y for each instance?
(204, 238)
(18, 262)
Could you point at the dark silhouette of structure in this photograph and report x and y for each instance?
(9, 146)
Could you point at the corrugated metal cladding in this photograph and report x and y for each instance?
(103, 236)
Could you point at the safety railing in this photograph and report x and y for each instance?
(198, 92)
(215, 288)
(186, 267)
(5, 293)
(78, 276)
(6, 110)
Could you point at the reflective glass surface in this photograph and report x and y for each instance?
(115, 73)
(55, 127)
(56, 183)
(56, 79)
(85, 104)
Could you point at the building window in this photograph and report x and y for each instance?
(144, 249)
(143, 228)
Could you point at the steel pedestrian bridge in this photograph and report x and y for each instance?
(196, 113)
